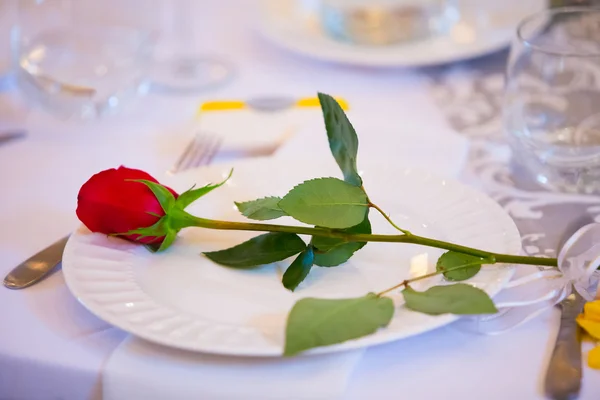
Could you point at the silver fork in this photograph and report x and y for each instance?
(200, 151)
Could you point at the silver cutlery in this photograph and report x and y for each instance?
(563, 377)
(200, 151)
(9, 136)
(271, 103)
(36, 267)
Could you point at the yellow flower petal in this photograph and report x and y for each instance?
(594, 358)
(591, 327)
(591, 310)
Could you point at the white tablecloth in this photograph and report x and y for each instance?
(52, 348)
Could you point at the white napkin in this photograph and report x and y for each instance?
(426, 143)
(141, 370)
(244, 133)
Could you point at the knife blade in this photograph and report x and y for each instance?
(36, 267)
(6, 137)
(563, 377)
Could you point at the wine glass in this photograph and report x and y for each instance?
(180, 63)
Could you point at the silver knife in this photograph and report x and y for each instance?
(563, 378)
(6, 137)
(36, 267)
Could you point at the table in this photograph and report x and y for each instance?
(52, 348)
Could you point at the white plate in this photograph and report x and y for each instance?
(179, 298)
(484, 27)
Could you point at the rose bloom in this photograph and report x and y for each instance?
(111, 202)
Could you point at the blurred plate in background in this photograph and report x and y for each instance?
(483, 27)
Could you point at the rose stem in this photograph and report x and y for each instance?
(491, 258)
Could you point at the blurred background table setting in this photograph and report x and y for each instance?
(493, 99)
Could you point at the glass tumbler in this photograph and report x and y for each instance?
(82, 58)
(552, 98)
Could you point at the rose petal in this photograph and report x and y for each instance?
(591, 327)
(594, 358)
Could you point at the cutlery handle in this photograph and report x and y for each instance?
(36, 267)
(563, 379)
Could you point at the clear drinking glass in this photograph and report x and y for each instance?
(552, 100)
(82, 58)
(180, 61)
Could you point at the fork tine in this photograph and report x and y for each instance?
(199, 147)
(203, 151)
(202, 146)
(211, 151)
(200, 151)
(184, 157)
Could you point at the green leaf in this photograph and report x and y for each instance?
(322, 322)
(324, 243)
(261, 209)
(328, 202)
(298, 269)
(451, 260)
(343, 141)
(336, 250)
(188, 197)
(163, 195)
(337, 255)
(459, 298)
(263, 249)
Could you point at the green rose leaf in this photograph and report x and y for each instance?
(460, 298)
(322, 322)
(343, 141)
(336, 250)
(261, 209)
(326, 243)
(327, 202)
(450, 262)
(188, 197)
(298, 269)
(337, 255)
(260, 250)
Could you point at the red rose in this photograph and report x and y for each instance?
(111, 202)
